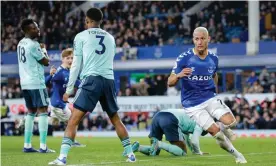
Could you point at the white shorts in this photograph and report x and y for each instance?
(205, 113)
(62, 115)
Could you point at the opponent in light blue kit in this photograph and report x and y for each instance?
(196, 69)
(31, 60)
(94, 50)
(59, 79)
(174, 124)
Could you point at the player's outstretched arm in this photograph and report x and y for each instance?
(188, 141)
(173, 79)
(74, 72)
(75, 68)
(195, 141)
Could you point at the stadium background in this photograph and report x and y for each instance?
(149, 36)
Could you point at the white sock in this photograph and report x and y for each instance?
(43, 146)
(61, 156)
(50, 120)
(225, 144)
(221, 126)
(36, 119)
(27, 145)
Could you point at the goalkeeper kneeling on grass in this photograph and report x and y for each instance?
(178, 129)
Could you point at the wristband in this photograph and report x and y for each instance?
(44, 51)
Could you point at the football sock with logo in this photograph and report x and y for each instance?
(43, 129)
(126, 145)
(225, 144)
(65, 147)
(173, 149)
(144, 149)
(28, 133)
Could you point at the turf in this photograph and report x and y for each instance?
(107, 151)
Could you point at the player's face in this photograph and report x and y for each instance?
(201, 40)
(67, 61)
(88, 23)
(34, 31)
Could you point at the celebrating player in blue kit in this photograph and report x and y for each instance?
(196, 69)
(94, 49)
(31, 60)
(60, 112)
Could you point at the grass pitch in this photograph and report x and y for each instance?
(107, 151)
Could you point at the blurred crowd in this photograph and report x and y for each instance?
(11, 91)
(265, 82)
(134, 121)
(136, 23)
(156, 85)
(260, 115)
(55, 30)
(150, 85)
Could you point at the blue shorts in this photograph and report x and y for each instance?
(165, 123)
(36, 98)
(94, 89)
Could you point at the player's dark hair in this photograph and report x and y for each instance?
(25, 23)
(94, 14)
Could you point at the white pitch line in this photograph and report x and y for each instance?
(165, 158)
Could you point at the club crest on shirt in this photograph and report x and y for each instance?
(211, 69)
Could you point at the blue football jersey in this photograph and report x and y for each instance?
(59, 81)
(199, 86)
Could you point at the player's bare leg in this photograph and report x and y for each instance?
(69, 136)
(225, 143)
(227, 122)
(123, 135)
(62, 115)
(119, 126)
(54, 121)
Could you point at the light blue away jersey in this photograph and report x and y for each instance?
(31, 72)
(97, 48)
(199, 86)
